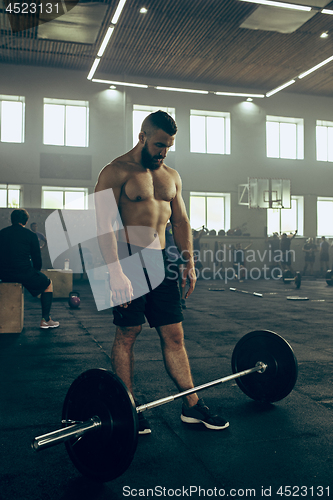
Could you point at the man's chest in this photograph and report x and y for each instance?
(145, 186)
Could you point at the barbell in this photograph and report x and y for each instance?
(101, 421)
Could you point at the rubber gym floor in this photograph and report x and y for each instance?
(269, 450)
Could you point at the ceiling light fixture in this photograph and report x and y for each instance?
(327, 11)
(105, 41)
(118, 11)
(274, 91)
(175, 89)
(93, 68)
(239, 94)
(143, 10)
(306, 73)
(282, 5)
(324, 35)
(124, 84)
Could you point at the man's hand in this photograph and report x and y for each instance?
(189, 272)
(121, 288)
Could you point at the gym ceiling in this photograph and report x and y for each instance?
(215, 45)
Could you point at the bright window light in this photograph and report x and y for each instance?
(287, 220)
(12, 118)
(211, 210)
(68, 198)
(66, 122)
(324, 216)
(10, 196)
(285, 137)
(324, 141)
(209, 132)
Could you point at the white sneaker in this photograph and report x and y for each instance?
(49, 324)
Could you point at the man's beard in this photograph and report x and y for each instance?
(148, 160)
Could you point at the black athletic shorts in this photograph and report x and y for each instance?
(34, 281)
(161, 306)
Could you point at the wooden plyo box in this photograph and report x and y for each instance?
(11, 308)
(62, 282)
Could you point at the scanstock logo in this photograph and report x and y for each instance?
(79, 235)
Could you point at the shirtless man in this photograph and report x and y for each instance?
(148, 193)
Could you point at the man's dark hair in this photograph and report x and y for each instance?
(19, 216)
(159, 120)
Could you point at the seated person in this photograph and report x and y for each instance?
(20, 262)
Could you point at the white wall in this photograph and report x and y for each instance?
(111, 135)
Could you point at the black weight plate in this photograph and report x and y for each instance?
(280, 376)
(105, 454)
(329, 278)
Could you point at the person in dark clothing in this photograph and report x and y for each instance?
(309, 248)
(21, 262)
(41, 237)
(324, 255)
(285, 243)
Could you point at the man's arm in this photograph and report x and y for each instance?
(182, 235)
(106, 205)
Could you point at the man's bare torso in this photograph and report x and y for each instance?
(144, 198)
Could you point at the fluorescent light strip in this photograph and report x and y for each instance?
(93, 68)
(118, 11)
(306, 73)
(238, 94)
(327, 11)
(175, 89)
(105, 41)
(280, 4)
(125, 84)
(271, 92)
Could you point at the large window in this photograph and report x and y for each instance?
(69, 198)
(66, 123)
(285, 137)
(211, 210)
(10, 196)
(324, 140)
(285, 220)
(12, 111)
(209, 132)
(140, 113)
(324, 216)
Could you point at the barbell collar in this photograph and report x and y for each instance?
(260, 367)
(62, 435)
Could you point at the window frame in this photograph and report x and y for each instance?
(299, 122)
(11, 187)
(66, 103)
(226, 130)
(320, 124)
(13, 99)
(323, 198)
(227, 201)
(65, 190)
(299, 216)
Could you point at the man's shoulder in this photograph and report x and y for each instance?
(119, 167)
(172, 172)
